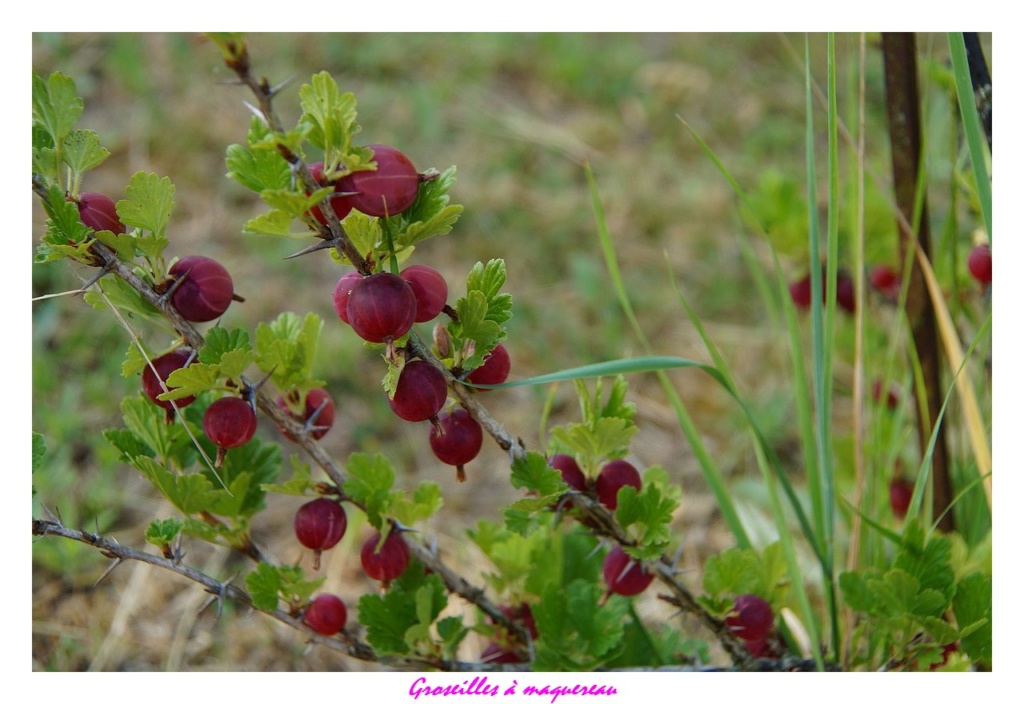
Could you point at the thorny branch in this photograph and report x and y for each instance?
(596, 516)
(345, 642)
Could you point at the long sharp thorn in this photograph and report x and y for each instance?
(273, 91)
(110, 568)
(94, 278)
(174, 287)
(255, 110)
(323, 244)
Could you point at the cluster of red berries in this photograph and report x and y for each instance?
(800, 291)
(230, 421)
(622, 574)
(319, 525)
(200, 289)
(383, 307)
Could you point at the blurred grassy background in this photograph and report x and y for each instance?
(518, 114)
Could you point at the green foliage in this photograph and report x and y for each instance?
(286, 347)
(56, 108)
(903, 606)
(533, 473)
(370, 482)
(402, 620)
(82, 151)
(646, 646)
(646, 515)
(606, 429)
(430, 215)
(257, 169)
(268, 584)
(579, 632)
(38, 450)
(935, 590)
(482, 314)
(148, 204)
(163, 452)
(737, 571)
(112, 291)
(163, 532)
(221, 362)
(330, 118)
(301, 483)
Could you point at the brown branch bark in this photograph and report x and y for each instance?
(903, 104)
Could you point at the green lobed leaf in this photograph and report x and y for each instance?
(147, 422)
(122, 296)
(148, 203)
(127, 443)
(65, 223)
(425, 502)
(263, 585)
(259, 462)
(190, 381)
(295, 587)
(276, 223)
(330, 115)
(229, 352)
(594, 443)
(938, 629)
(855, 591)
(972, 607)
(439, 224)
(124, 246)
(473, 322)
(190, 493)
(301, 483)
(930, 564)
(134, 361)
(521, 516)
(646, 515)
(38, 450)
(452, 631)
(82, 151)
(616, 406)
(370, 478)
(487, 279)
(580, 633)
(44, 155)
(533, 473)
(411, 602)
(258, 170)
(897, 593)
(733, 572)
(364, 232)
(292, 203)
(55, 104)
(386, 621)
(430, 215)
(286, 348)
(163, 532)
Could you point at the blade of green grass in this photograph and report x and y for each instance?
(828, 499)
(710, 470)
(926, 461)
(972, 124)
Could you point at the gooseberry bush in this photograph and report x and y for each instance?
(591, 531)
